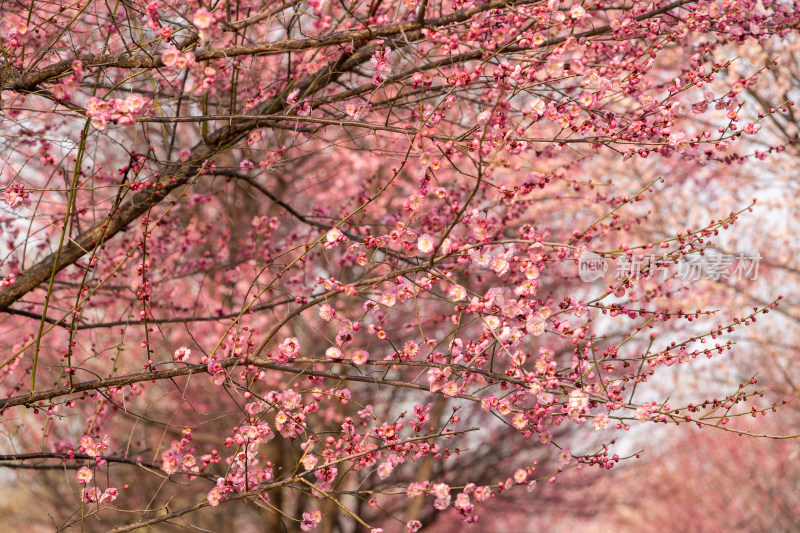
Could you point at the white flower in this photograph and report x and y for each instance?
(425, 244)
(578, 399)
(577, 12)
(333, 353)
(334, 235)
(385, 470)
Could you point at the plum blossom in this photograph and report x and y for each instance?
(678, 141)
(577, 12)
(108, 496)
(94, 449)
(216, 370)
(90, 494)
(412, 526)
(360, 357)
(462, 502)
(642, 414)
(564, 457)
(216, 495)
(288, 350)
(16, 195)
(751, 129)
(385, 470)
(578, 399)
(332, 237)
(202, 19)
(333, 353)
(647, 101)
(537, 106)
(499, 264)
(600, 421)
(380, 62)
(182, 354)
(425, 244)
(84, 475)
(170, 56)
(170, 460)
(326, 312)
(442, 493)
(457, 293)
(311, 520)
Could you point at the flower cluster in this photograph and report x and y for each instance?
(122, 112)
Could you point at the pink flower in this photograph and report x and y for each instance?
(412, 526)
(333, 353)
(169, 461)
(108, 496)
(170, 56)
(84, 475)
(333, 236)
(577, 12)
(482, 493)
(564, 457)
(59, 92)
(450, 389)
(457, 293)
(499, 265)
(185, 61)
(99, 122)
(289, 349)
(215, 496)
(647, 101)
(202, 19)
(382, 68)
(182, 354)
(462, 502)
(360, 357)
(93, 449)
(311, 520)
(89, 495)
(135, 103)
(385, 470)
(600, 421)
(752, 129)
(578, 399)
(520, 475)
(304, 109)
(388, 298)
(15, 195)
(326, 312)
